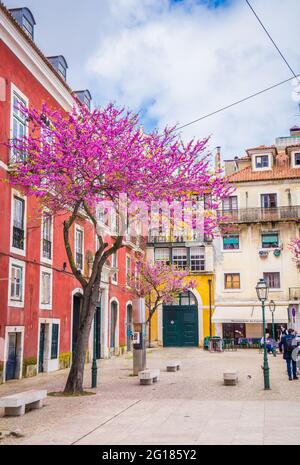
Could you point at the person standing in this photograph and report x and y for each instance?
(288, 344)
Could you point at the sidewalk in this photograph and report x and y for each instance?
(191, 406)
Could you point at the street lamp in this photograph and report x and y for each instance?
(262, 291)
(272, 307)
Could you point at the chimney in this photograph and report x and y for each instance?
(218, 159)
(59, 63)
(25, 18)
(295, 131)
(84, 96)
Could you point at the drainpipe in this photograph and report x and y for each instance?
(210, 309)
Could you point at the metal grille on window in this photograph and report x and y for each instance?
(18, 223)
(272, 280)
(197, 260)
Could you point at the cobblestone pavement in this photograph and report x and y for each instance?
(191, 406)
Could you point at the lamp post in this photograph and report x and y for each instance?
(272, 307)
(262, 294)
(94, 364)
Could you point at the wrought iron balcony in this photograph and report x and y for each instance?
(18, 238)
(260, 215)
(47, 249)
(294, 293)
(195, 237)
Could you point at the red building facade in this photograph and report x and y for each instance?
(39, 296)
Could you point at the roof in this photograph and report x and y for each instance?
(247, 174)
(33, 45)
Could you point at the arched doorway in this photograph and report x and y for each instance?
(180, 322)
(113, 325)
(77, 299)
(129, 328)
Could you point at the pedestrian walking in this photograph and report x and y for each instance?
(287, 344)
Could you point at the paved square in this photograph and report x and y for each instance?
(190, 406)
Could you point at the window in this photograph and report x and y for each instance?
(18, 223)
(262, 161)
(18, 126)
(232, 281)
(16, 283)
(45, 288)
(268, 200)
(54, 341)
(197, 259)
(46, 237)
(62, 70)
(272, 280)
(128, 270)
(270, 240)
(179, 257)
(114, 220)
(28, 28)
(79, 248)
(114, 264)
(297, 159)
(231, 242)
(230, 203)
(162, 255)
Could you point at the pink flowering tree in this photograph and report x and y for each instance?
(159, 284)
(72, 161)
(295, 249)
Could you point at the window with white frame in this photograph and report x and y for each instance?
(114, 220)
(47, 236)
(230, 203)
(262, 161)
(297, 159)
(18, 126)
(128, 270)
(79, 248)
(46, 287)
(197, 259)
(16, 283)
(114, 264)
(18, 226)
(179, 257)
(162, 254)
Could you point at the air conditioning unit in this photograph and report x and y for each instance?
(263, 253)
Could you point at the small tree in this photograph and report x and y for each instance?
(72, 161)
(159, 283)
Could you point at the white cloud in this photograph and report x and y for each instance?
(184, 62)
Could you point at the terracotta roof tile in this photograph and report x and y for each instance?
(247, 174)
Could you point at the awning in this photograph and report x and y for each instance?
(248, 315)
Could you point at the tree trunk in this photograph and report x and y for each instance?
(74, 383)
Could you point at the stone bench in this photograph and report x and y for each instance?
(230, 377)
(149, 376)
(15, 405)
(173, 365)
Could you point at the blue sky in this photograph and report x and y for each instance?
(177, 64)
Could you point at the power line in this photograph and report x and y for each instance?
(238, 102)
(272, 40)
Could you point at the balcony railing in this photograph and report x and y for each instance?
(18, 238)
(294, 293)
(47, 249)
(260, 215)
(195, 237)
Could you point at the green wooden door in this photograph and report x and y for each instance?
(180, 325)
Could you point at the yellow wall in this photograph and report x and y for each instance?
(203, 289)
